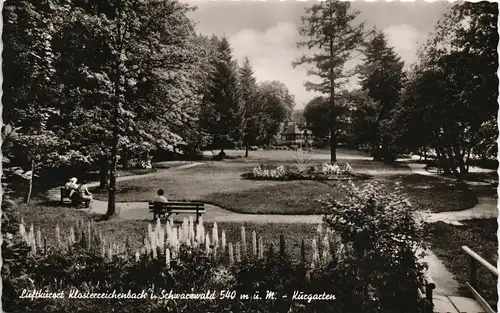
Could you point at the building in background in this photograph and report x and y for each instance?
(294, 135)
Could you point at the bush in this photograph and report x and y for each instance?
(383, 240)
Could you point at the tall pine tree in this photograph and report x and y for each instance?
(382, 78)
(333, 36)
(248, 87)
(223, 112)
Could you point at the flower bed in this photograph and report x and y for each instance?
(314, 172)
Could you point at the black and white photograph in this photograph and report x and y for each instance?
(201, 156)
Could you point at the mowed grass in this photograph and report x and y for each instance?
(189, 184)
(47, 216)
(432, 193)
(479, 235)
(296, 197)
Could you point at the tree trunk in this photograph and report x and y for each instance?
(333, 145)
(453, 164)
(112, 178)
(387, 155)
(333, 127)
(246, 148)
(114, 158)
(468, 158)
(103, 172)
(30, 184)
(443, 161)
(111, 210)
(125, 158)
(460, 160)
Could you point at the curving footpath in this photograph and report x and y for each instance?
(484, 209)
(446, 283)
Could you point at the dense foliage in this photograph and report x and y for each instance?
(382, 77)
(89, 89)
(444, 105)
(385, 242)
(454, 89)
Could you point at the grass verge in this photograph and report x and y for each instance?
(433, 193)
(479, 235)
(296, 197)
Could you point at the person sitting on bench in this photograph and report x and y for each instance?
(160, 197)
(71, 187)
(82, 194)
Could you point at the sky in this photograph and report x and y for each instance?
(266, 32)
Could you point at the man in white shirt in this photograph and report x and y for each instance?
(71, 187)
(160, 197)
(71, 184)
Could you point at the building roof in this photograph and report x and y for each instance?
(293, 129)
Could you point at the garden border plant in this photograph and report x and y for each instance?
(372, 268)
(304, 172)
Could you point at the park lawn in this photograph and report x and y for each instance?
(189, 184)
(299, 197)
(47, 216)
(479, 235)
(296, 197)
(433, 193)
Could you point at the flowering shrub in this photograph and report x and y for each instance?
(279, 172)
(384, 240)
(334, 169)
(193, 272)
(342, 272)
(298, 172)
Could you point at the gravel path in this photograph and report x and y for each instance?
(446, 283)
(485, 208)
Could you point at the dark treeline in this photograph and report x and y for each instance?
(91, 85)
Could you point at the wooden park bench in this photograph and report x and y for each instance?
(65, 193)
(165, 209)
